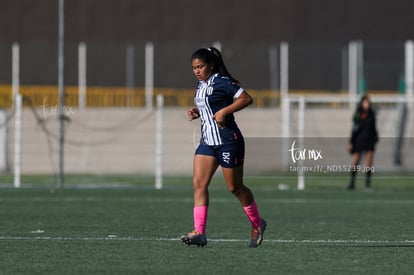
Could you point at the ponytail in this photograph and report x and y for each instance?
(213, 56)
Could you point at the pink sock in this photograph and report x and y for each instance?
(200, 218)
(253, 214)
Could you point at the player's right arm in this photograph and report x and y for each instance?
(193, 114)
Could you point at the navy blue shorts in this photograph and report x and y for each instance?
(228, 155)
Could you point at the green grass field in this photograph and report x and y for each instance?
(135, 229)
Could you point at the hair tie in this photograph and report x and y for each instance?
(214, 52)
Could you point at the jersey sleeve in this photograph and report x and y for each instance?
(232, 89)
(238, 93)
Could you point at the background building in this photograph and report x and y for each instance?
(318, 32)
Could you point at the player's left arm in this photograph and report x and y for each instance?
(242, 101)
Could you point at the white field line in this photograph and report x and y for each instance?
(190, 200)
(155, 239)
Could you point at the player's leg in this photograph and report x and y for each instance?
(356, 157)
(204, 167)
(369, 156)
(234, 181)
(203, 170)
(231, 158)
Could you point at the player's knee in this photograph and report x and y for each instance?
(237, 190)
(199, 184)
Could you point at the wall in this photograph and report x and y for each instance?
(230, 20)
(105, 141)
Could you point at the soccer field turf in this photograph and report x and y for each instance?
(135, 230)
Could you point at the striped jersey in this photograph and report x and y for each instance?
(212, 95)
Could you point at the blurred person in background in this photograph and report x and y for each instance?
(217, 97)
(364, 137)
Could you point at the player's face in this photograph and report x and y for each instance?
(201, 69)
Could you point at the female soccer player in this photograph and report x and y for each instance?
(363, 139)
(217, 97)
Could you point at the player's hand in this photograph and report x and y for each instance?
(193, 114)
(220, 118)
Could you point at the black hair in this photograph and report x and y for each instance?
(363, 98)
(212, 56)
(360, 109)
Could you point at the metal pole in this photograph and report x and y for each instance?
(17, 104)
(409, 72)
(352, 72)
(158, 142)
(61, 92)
(284, 99)
(360, 68)
(149, 75)
(301, 135)
(15, 70)
(82, 75)
(17, 139)
(284, 70)
(285, 109)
